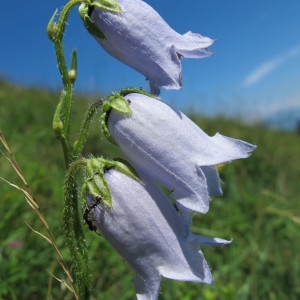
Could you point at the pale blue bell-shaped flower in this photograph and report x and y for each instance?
(140, 38)
(171, 149)
(147, 231)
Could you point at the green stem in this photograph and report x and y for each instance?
(74, 233)
(78, 145)
(63, 69)
(72, 224)
(58, 41)
(58, 129)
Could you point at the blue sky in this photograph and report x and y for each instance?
(255, 70)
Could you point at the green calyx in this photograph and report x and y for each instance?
(85, 11)
(95, 177)
(120, 104)
(127, 91)
(109, 5)
(117, 102)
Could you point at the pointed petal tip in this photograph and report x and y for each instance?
(145, 288)
(194, 45)
(208, 241)
(222, 242)
(232, 148)
(205, 41)
(210, 281)
(194, 204)
(247, 147)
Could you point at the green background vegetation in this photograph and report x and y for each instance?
(259, 210)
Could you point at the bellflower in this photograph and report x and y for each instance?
(167, 146)
(147, 231)
(140, 38)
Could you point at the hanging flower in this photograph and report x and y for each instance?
(165, 144)
(140, 38)
(147, 231)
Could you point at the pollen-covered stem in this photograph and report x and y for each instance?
(74, 233)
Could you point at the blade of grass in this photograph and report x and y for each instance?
(35, 207)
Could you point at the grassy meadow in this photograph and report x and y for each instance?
(260, 210)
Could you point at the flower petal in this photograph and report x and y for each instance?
(146, 289)
(213, 180)
(144, 227)
(207, 241)
(140, 38)
(174, 151)
(194, 45)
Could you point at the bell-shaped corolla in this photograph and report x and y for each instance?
(147, 231)
(172, 150)
(140, 38)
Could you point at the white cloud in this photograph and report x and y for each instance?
(264, 110)
(269, 66)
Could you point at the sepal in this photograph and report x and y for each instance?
(83, 11)
(95, 177)
(95, 181)
(118, 103)
(124, 92)
(109, 5)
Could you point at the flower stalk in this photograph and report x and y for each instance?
(61, 126)
(74, 233)
(62, 115)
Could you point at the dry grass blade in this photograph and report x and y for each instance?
(63, 282)
(40, 234)
(32, 203)
(12, 160)
(28, 197)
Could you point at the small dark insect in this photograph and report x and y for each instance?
(86, 215)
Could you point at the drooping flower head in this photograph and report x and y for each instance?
(172, 150)
(144, 227)
(140, 38)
